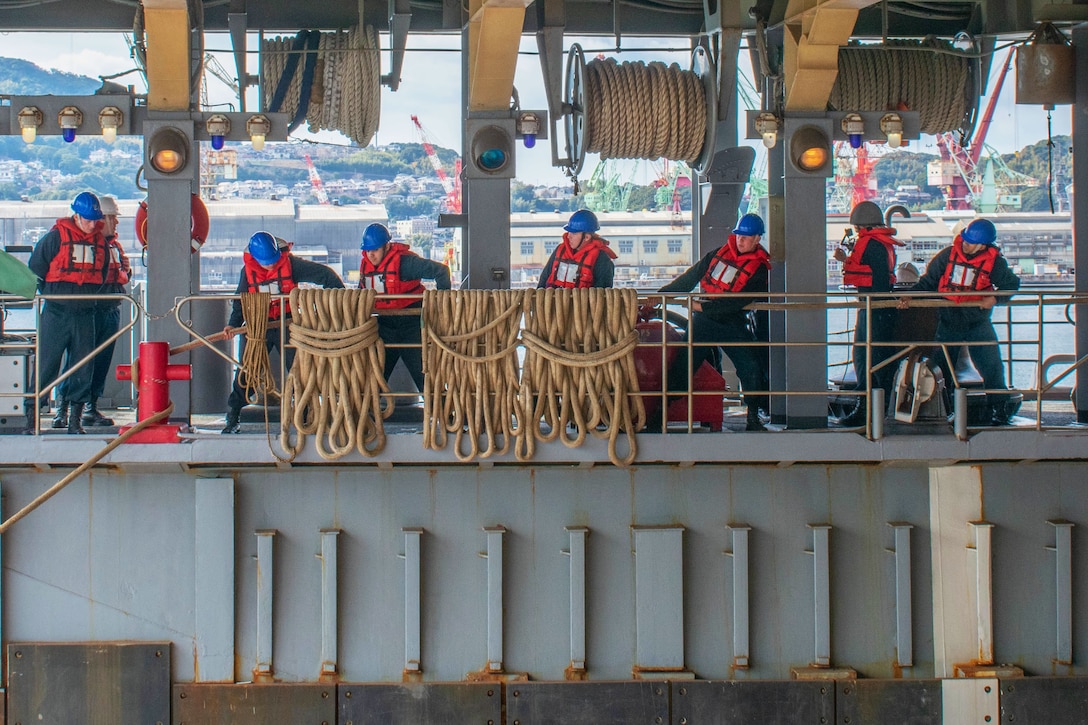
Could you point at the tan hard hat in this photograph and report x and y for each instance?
(109, 205)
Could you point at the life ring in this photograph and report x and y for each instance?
(198, 228)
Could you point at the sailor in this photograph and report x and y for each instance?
(71, 259)
(391, 268)
(972, 264)
(270, 267)
(870, 267)
(739, 266)
(582, 259)
(107, 321)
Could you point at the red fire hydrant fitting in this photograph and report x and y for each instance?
(153, 387)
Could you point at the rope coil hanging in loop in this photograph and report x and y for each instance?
(636, 110)
(470, 366)
(579, 370)
(334, 391)
(335, 86)
(255, 374)
(929, 77)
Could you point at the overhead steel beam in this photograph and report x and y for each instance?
(494, 34)
(166, 23)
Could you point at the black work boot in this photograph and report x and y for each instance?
(60, 420)
(233, 425)
(75, 414)
(856, 417)
(91, 416)
(754, 423)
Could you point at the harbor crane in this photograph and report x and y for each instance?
(451, 186)
(315, 181)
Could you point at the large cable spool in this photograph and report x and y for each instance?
(330, 80)
(930, 77)
(635, 110)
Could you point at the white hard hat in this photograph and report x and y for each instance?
(109, 205)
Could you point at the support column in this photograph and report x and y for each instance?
(329, 618)
(213, 590)
(1080, 216)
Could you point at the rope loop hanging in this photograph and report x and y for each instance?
(579, 370)
(335, 391)
(636, 110)
(470, 366)
(928, 76)
(332, 80)
(255, 374)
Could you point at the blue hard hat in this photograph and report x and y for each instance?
(582, 220)
(87, 206)
(980, 231)
(375, 236)
(750, 225)
(264, 248)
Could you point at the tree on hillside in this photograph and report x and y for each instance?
(902, 168)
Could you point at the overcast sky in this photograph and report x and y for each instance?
(430, 88)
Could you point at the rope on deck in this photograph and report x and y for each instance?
(579, 370)
(334, 390)
(255, 375)
(470, 367)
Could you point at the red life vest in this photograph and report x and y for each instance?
(967, 274)
(117, 269)
(573, 268)
(81, 258)
(276, 281)
(861, 275)
(730, 270)
(384, 278)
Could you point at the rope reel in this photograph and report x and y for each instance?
(331, 80)
(470, 365)
(579, 370)
(929, 77)
(634, 110)
(335, 390)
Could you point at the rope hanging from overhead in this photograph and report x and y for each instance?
(332, 80)
(335, 388)
(644, 111)
(579, 370)
(255, 374)
(470, 366)
(929, 77)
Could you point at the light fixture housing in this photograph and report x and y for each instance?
(767, 127)
(853, 125)
(69, 119)
(528, 127)
(30, 118)
(110, 119)
(891, 125)
(258, 127)
(218, 127)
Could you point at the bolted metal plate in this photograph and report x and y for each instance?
(254, 704)
(587, 703)
(95, 683)
(767, 702)
(889, 702)
(421, 703)
(1050, 700)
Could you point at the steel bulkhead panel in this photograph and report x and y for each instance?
(768, 702)
(1053, 700)
(254, 704)
(115, 683)
(875, 702)
(587, 703)
(420, 703)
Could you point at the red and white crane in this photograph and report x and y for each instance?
(315, 181)
(452, 186)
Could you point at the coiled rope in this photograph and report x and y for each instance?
(928, 76)
(470, 367)
(579, 370)
(255, 375)
(334, 391)
(644, 111)
(342, 90)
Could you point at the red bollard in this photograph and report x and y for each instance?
(153, 387)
